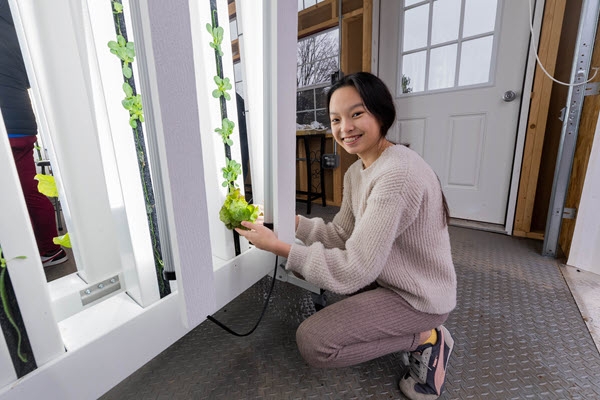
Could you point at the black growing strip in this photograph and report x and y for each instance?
(219, 63)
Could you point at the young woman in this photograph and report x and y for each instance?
(391, 233)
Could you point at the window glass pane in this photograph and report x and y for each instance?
(309, 3)
(305, 100)
(305, 117)
(480, 17)
(475, 61)
(408, 3)
(323, 118)
(442, 67)
(317, 58)
(416, 22)
(233, 33)
(413, 72)
(446, 19)
(321, 97)
(300, 5)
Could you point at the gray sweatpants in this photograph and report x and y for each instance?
(363, 327)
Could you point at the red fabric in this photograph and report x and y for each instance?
(41, 210)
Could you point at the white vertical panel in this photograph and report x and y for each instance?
(464, 159)
(585, 247)
(170, 55)
(282, 78)
(27, 275)
(119, 152)
(57, 68)
(7, 371)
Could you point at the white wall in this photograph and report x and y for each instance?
(585, 247)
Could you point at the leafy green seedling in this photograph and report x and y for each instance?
(225, 131)
(230, 173)
(117, 7)
(217, 35)
(223, 85)
(133, 104)
(125, 51)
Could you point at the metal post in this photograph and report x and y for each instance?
(566, 150)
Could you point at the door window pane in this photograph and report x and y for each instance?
(431, 40)
(446, 20)
(475, 60)
(413, 72)
(416, 23)
(480, 17)
(442, 67)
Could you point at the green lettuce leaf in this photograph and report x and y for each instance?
(235, 209)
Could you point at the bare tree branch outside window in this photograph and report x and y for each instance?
(317, 58)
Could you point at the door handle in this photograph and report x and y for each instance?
(509, 96)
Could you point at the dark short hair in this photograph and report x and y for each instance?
(375, 95)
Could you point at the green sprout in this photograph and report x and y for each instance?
(230, 173)
(223, 85)
(226, 130)
(125, 51)
(217, 35)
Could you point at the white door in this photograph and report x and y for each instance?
(449, 63)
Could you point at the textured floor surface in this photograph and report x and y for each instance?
(517, 329)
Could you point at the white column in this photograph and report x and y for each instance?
(56, 66)
(173, 103)
(27, 275)
(119, 153)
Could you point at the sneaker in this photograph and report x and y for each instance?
(427, 373)
(54, 258)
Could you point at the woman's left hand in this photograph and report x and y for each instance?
(263, 238)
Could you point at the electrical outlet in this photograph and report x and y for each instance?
(330, 161)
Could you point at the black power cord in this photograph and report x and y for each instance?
(223, 326)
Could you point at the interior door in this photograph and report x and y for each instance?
(456, 69)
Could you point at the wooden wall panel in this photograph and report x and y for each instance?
(538, 115)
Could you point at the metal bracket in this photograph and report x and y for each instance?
(569, 213)
(99, 290)
(592, 89)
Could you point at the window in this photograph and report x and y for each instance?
(303, 4)
(445, 46)
(317, 60)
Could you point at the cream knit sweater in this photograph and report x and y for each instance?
(390, 229)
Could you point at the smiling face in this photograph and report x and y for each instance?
(354, 127)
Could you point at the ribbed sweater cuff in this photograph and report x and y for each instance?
(304, 228)
(297, 258)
